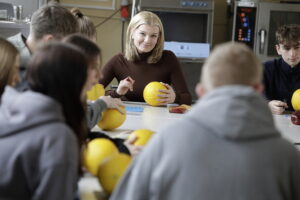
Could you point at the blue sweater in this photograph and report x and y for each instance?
(281, 80)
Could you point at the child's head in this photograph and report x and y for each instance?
(51, 21)
(231, 63)
(93, 53)
(144, 18)
(86, 26)
(58, 70)
(9, 65)
(288, 43)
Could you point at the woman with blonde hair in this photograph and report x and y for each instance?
(9, 65)
(145, 61)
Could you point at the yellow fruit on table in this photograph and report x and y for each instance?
(111, 170)
(143, 135)
(112, 118)
(96, 151)
(296, 100)
(96, 92)
(151, 91)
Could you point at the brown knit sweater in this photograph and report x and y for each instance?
(167, 70)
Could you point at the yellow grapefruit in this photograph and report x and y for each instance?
(296, 100)
(96, 92)
(151, 91)
(143, 135)
(111, 170)
(111, 119)
(96, 151)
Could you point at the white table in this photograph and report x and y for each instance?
(287, 128)
(154, 118)
(151, 118)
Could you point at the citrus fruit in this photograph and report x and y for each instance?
(112, 118)
(296, 100)
(96, 92)
(151, 91)
(111, 170)
(143, 135)
(96, 151)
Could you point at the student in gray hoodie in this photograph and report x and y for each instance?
(42, 129)
(227, 146)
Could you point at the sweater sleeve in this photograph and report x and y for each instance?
(94, 112)
(178, 82)
(267, 80)
(108, 74)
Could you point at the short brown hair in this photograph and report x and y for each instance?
(86, 26)
(8, 56)
(53, 19)
(288, 34)
(148, 18)
(231, 63)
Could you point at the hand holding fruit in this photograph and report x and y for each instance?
(277, 107)
(125, 85)
(133, 149)
(113, 103)
(167, 96)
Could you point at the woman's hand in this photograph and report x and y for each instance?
(125, 85)
(277, 107)
(113, 103)
(168, 95)
(133, 149)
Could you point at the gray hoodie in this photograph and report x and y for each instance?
(38, 151)
(225, 148)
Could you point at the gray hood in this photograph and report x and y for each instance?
(20, 111)
(222, 108)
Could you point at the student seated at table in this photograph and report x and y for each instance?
(9, 65)
(93, 53)
(145, 61)
(49, 22)
(42, 129)
(227, 146)
(282, 76)
(94, 109)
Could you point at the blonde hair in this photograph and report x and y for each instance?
(231, 63)
(86, 26)
(8, 70)
(147, 18)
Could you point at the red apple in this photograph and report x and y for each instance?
(295, 117)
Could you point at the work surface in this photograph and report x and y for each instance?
(140, 116)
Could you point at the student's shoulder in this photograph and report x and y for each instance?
(117, 58)
(273, 63)
(168, 53)
(17, 40)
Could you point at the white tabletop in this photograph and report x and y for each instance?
(138, 116)
(287, 128)
(143, 116)
(154, 118)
